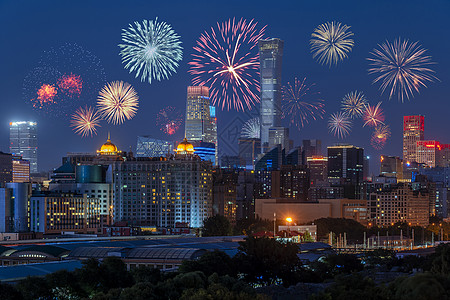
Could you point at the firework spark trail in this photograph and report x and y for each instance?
(70, 84)
(85, 121)
(251, 129)
(354, 104)
(169, 119)
(331, 43)
(301, 103)
(373, 115)
(339, 124)
(402, 67)
(380, 136)
(226, 60)
(152, 49)
(117, 102)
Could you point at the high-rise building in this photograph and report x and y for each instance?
(225, 183)
(312, 148)
(248, 151)
(391, 166)
(23, 142)
(270, 57)
(413, 131)
(429, 153)
(13, 169)
(206, 151)
(317, 166)
(279, 136)
(149, 147)
(201, 121)
(14, 200)
(291, 182)
(164, 192)
(345, 167)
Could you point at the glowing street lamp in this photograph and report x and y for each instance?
(289, 220)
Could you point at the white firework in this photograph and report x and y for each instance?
(251, 129)
(152, 49)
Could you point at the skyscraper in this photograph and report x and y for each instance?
(148, 147)
(270, 57)
(201, 122)
(413, 131)
(23, 142)
(312, 148)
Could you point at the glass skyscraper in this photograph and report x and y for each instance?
(23, 142)
(270, 57)
(148, 147)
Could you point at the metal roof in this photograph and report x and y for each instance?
(165, 253)
(15, 273)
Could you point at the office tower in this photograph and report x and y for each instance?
(197, 113)
(248, 151)
(231, 162)
(14, 199)
(291, 182)
(386, 207)
(366, 168)
(413, 131)
(23, 142)
(211, 134)
(312, 148)
(429, 153)
(279, 136)
(225, 182)
(391, 166)
(295, 157)
(271, 160)
(206, 151)
(13, 169)
(55, 213)
(245, 198)
(165, 192)
(345, 168)
(149, 147)
(317, 166)
(270, 58)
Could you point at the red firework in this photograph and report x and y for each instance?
(226, 60)
(46, 94)
(169, 119)
(71, 84)
(373, 115)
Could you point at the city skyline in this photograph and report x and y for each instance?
(290, 22)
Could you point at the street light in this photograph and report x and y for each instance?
(289, 220)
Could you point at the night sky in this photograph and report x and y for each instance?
(28, 28)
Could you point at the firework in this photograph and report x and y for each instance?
(331, 43)
(151, 49)
(301, 103)
(226, 60)
(401, 67)
(85, 121)
(169, 119)
(354, 104)
(380, 136)
(373, 115)
(70, 84)
(251, 129)
(45, 95)
(339, 124)
(117, 102)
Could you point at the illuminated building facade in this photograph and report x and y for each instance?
(279, 136)
(398, 204)
(413, 131)
(312, 148)
(54, 213)
(14, 199)
(225, 184)
(149, 147)
(23, 142)
(391, 166)
(318, 168)
(13, 169)
(291, 182)
(164, 192)
(270, 58)
(429, 153)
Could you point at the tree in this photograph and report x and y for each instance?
(33, 288)
(267, 261)
(8, 292)
(343, 264)
(353, 229)
(216, 226)
(211, 262)
(421, 286)
(441, 260)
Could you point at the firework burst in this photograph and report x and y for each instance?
(339, 124)
(169, 119)
(226, 60)
(380, 136)
(331, 43)
(85, 121)
(301, 103)
(71, 84)
(45, 95)
(354, 104)
(151, 49)
(117, 102)
(401, 67)
(251, 129)
(373, 115)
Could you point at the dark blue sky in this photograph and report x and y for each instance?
(31, 27)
